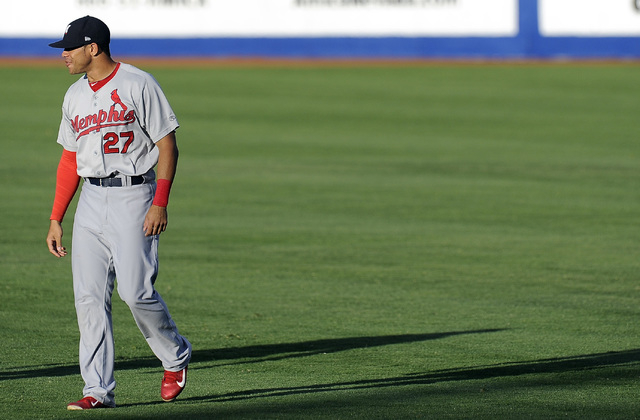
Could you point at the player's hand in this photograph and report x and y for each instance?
(155, 221)
(54, 239)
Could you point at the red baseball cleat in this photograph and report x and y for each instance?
(86, 403)
(172, 384)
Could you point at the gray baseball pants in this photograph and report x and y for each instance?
(108, 243)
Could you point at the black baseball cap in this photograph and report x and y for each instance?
(84, 31)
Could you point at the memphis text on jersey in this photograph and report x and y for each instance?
(104, 119)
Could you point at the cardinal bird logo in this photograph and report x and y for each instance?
(115, 98)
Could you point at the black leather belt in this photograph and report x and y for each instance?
(112, 181)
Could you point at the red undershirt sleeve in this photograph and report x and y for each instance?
(67, 181)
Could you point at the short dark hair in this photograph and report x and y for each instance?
(105, 49)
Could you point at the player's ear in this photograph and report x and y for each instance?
(94, 49)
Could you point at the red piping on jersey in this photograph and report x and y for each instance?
(95, 86)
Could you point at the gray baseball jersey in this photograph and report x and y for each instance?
(114, 129)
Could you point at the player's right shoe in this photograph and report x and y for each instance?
(86, 403)
(172, 384)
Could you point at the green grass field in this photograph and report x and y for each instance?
(356, 242)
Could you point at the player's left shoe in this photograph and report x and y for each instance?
(172, 384)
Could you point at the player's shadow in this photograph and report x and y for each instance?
(247, 354)
(271, 352)
(559, 365)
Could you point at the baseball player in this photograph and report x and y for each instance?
(117, 126)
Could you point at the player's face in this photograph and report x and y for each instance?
(78, 59)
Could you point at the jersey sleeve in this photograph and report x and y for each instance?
(158, 116)
(66, 135)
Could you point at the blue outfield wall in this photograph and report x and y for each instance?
(528, 44)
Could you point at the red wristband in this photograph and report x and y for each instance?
(163, 187)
